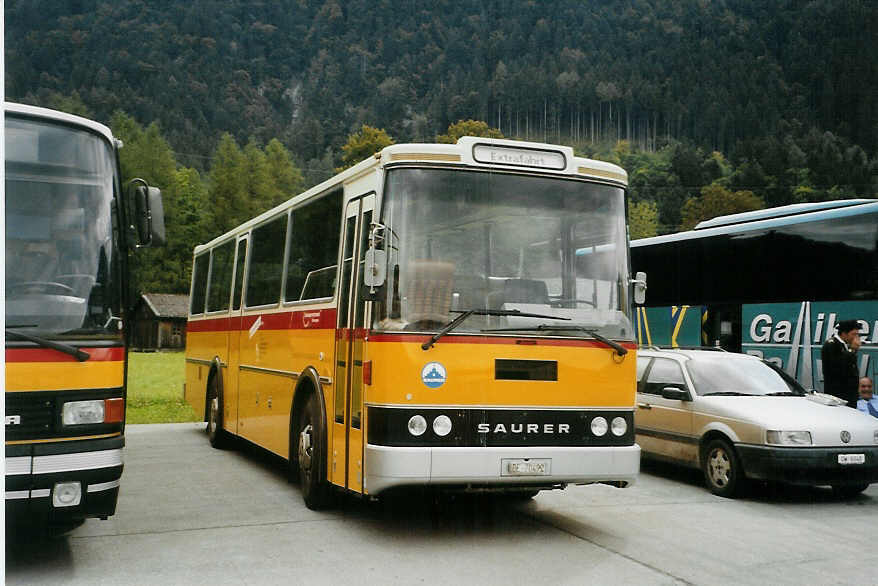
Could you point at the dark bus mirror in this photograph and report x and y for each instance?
(148, 214)
(639, 282)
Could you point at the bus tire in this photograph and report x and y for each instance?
(311, 452)
(217, 436)
(722, 469)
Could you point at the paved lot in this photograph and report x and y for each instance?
(189, 514)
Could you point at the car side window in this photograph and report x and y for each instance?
(664, 373)
(642, 363)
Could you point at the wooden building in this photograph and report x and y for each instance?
(160, 322)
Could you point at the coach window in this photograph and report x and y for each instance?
(239, 273)
(220, 277)
(311, 268)
(266, 262)
(199, 284)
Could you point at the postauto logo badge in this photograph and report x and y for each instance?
(434, 375)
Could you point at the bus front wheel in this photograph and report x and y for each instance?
(311, 451)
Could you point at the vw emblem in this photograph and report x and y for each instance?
(845, 436)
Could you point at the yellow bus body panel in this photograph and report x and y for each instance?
(64, 376)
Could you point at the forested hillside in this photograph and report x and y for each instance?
(773, 99)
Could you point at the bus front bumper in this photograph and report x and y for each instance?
(499, 467)
(63, 482)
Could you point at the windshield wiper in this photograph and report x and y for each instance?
(65, 348)
(465, 314)
(619, 348)
(728, 394)
(784, 394)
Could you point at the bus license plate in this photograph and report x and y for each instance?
(526, 467)
(852, 458)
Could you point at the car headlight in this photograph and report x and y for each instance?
(875, 436)
(788, 438)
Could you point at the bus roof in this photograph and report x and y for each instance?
(47, 114)
(473, 152)
(768, 219)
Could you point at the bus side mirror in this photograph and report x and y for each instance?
(375, 269)
(147, 213)
(639, 282)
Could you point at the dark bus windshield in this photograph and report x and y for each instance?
(60, 258)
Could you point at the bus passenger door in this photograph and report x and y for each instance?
(347, 436)
(231, 389)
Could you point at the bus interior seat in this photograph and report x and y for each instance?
(429, 292)
(531, 291)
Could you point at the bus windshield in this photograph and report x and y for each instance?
(60, 276)
(486, 241)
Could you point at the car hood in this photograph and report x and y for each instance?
(795, 414)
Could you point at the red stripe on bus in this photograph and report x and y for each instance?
(420, 339)
(314, 319)
(113, 354)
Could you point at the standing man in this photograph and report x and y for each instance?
(840, 376)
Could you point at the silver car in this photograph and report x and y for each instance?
(737, 418)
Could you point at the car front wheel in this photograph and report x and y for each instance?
(722, 469)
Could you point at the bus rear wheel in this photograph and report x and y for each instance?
(311, 452)
(217, 436)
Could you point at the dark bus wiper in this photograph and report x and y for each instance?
(65, 348)
(784, 394)
(727, 394)
(465, 314)
(619, 348)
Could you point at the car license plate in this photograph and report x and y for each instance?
(852, 458)
(526, 467)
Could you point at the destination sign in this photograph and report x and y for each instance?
(502, 155)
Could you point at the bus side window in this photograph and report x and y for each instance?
(220, 277)
(239, 273)
(314, 240)
(266, 262)
(199, 284)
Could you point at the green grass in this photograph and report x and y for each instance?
(155, 388)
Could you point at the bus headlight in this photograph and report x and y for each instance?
(82, 412)
(417, 425)
(442, 425)
(599, 426)
(619, 426)
(66, 494)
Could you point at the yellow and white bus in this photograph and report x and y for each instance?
(456, 316)
(69, 229)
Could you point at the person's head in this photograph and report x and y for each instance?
(848, 330)
(866, 388)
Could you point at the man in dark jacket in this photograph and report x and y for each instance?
(840, 375)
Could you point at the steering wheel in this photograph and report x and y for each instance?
(46, 286)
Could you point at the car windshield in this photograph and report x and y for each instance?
(500, 243)
(722, 373)
(60, 277)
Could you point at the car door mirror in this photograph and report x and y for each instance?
(675, 393)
